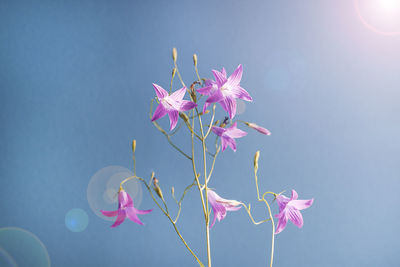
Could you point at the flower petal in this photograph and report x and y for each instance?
(282, 201)
(178, 94)
(173, 118)
(229, 106)
(216, 97)
(233, 208)
(143, 211)
(239, 92)
(231, 142)
(295, 216)
(160, 92)
(218, 130)
(187, 105)
(281, 224)
(159, 113)
(301, 204)
(294, 195)
(109, 213)
(224, 142)
(219, 77)
(223, 71)
(121, 217)
(236, 76)
(205, 90)
(131, 214)
(235, 132)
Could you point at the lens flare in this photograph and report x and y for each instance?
(76, 220)
(6, 260)
(102, 191)
(380, 16)
(19, 247)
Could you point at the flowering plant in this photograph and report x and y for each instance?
(223, 90)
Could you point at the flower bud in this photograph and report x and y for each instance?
(184, 117)
(256, 157)
(206, 112)
(174, 54)
(173, 72)
(195, 59)
(173, 190)
(157, 188)
(258, 128)
(133, 146)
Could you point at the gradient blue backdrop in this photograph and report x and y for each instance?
(75, 79)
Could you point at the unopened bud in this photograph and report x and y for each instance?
(222, 125)
(215, 123)
(256, 157)
(206, 112)
(157, 188)
(184, 116)
(258, 128)
(174, 54)
(195, 59)
(173, 72)
(133, 146)
(173, 190)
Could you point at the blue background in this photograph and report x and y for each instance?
(75, 79)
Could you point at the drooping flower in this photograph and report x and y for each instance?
(258, 128)
(171, 104)
(125, 209)
(289, 208)
(220, 205)
(228, 135)
(226, 90)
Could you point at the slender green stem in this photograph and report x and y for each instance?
(270, 214)
(211, 122)
(203, 142)
(166, 213)
(167, 135)
(251, 217)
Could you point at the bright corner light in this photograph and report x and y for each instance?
(388, 6)
(380, 16)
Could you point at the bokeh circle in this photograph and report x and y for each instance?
(19, 247)
(102, 191)
(76, 220)
(6, 260)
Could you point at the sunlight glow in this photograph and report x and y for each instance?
(380, 16)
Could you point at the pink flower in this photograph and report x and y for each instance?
(289, 208)
(171, 104)
(228, 135)
(125, 209)
(225, 90)
(220, 205)
(258, 128)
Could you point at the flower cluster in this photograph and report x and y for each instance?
(225, 91)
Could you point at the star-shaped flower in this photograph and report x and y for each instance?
(289, 208)
(125, 209)
(171, 104)
(225, 90)
(220, 205)
(228, 135)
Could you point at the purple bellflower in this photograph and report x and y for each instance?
(125, 209)
(171, 104)
(289, 208)
(220, 206)
(225, 90)
(228, 135)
